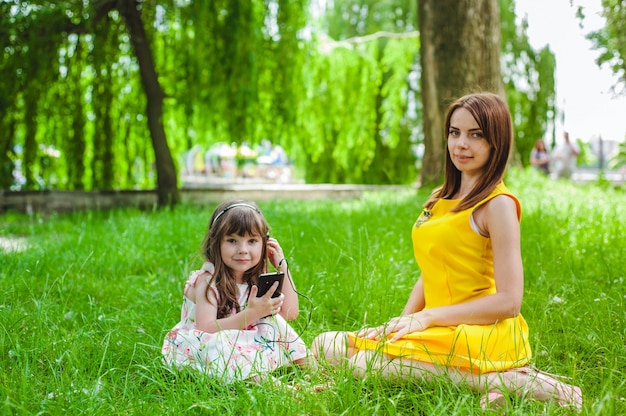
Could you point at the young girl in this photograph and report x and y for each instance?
(462, 317)
(225, 330)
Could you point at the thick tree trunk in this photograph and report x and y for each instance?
(167, 188)
(460, 54)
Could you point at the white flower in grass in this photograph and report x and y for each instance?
(98, 386)
(555, 300)
(93, 391)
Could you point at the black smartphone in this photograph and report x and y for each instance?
(266, 280)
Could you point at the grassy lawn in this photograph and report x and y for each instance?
(88, 297)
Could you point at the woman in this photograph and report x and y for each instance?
(539, 157)
(462, 317)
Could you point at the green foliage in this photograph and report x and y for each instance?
(586, 157)
(369, 131)
(88, 298)
(338, 91)
(232, 72)
(610, 40)
(343, 19)
(619, 160)
(354, 81)
(530, 84)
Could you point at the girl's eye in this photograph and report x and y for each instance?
(453, 133)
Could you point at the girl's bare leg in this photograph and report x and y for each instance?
(309, 362)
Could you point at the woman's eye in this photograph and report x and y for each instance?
(453, 133)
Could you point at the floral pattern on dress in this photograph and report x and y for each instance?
(230, 354)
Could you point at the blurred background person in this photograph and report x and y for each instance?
(564, 157)
(540, 158)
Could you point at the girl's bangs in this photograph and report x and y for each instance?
(245, 222)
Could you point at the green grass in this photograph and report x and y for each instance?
(88, 300)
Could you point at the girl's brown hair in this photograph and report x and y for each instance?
(494, 119)
(237, 217)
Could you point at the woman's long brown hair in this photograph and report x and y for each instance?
(232, 218)
(494, 119)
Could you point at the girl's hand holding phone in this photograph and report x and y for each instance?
(265, 305)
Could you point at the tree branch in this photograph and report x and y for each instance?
(348, 43)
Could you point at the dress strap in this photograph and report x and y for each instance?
(500, 189)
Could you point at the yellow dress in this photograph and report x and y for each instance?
(457, 267)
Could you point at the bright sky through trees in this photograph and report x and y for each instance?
(583, 89)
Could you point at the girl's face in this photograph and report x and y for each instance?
(467, 145)
(241, 253)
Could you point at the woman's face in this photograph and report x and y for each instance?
(541, 146)
(241, 253)
(467, 145)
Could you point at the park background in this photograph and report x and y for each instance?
(88, 296)
(96, 96)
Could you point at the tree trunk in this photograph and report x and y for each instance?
(30, 140)
(460, 54)
(167, 188)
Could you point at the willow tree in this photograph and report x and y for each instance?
(49, 48)
(342, 98)
(167, 188)
(460, 53)
(362, 74)
(23, 82)
(233, 71)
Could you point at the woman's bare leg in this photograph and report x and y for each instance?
(523, 382)
(373, 362)
(333, 347)
(529, 382)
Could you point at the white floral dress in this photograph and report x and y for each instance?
(231, 354)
